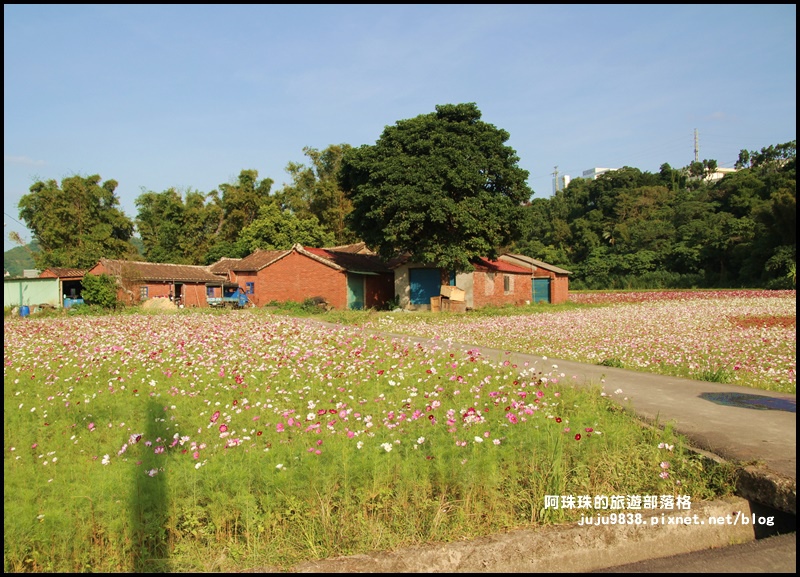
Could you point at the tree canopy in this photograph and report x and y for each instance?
(76, 223)
(277, 229)
(676, 228)
(442, 187)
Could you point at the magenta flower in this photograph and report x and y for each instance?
(214, 417)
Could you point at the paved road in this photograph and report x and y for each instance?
(771, 555)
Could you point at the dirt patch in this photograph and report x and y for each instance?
(159, 304)
(763, 321)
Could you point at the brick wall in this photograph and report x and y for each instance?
(559, 289)
(489, 289)
(297, 277)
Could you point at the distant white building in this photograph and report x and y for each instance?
(593, 173)
(718, 174)
(561, 181)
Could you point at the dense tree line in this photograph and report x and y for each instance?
(445, 187)
(676, 228)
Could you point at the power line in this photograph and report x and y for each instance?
(14, 219)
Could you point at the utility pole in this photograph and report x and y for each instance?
(696, 147)
(555, 179)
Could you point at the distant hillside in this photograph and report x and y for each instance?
(19, 258)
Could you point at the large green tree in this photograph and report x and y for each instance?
(278, 229)
(76, 223)
(241, 202)
(160, 222)
(315, 191)
(174, 230)
(442, 187)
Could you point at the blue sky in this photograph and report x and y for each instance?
(162, 96)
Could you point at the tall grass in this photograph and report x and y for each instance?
(215, 442)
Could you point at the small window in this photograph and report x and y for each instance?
(508, 285)
(251, 288)
(210, 291)
(143, 293)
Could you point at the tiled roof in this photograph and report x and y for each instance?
(359, 247)
(523, 260)
(258, 260)
(151, 271)
(351, 261)
(486, 265)
(64, 272)
(224, 265)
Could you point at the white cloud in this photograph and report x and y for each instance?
(22, 160)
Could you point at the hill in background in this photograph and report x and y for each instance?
(20, 258)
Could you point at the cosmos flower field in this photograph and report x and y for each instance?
(205, 441)
(746, 338)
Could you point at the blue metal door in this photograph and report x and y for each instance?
(425, 283)
(541, 290)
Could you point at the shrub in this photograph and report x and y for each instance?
(100, 290)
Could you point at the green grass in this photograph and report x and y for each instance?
(336, 442)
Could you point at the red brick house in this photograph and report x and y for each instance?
(343, 277)
(550, 283)
(495, 283)
(138, 281)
